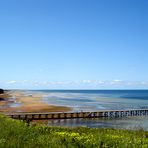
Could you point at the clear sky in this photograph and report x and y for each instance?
(74, 44)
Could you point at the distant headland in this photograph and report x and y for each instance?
(1, 91)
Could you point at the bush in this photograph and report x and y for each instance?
(1, 91)
(15, 133)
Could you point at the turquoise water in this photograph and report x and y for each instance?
(93, 100)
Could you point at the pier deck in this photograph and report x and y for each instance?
(73, 115)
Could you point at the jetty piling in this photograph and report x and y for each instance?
(76, 115)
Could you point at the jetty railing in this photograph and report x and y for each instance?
(73, 115)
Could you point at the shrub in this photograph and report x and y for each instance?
(1, 91)
(15, 133)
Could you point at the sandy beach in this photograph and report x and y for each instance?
(4, 101)
(28, 103)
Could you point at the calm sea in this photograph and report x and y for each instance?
(94, 100)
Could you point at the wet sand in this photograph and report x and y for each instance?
(29, 103)
(4, 99)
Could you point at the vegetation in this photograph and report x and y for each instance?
(15, 133)
(1, 91)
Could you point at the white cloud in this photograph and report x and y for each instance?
(92, 83)
(86, 81)
(83, 84)
(144, 82)
(11, 82)
(117, 80)
(99, 82)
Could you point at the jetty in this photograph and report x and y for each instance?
(74, 115)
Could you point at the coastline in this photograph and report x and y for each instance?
(28, 103)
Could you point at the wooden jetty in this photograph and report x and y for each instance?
(74, 115)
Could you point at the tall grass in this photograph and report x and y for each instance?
(18, 134)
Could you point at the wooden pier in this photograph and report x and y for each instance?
(74, 115)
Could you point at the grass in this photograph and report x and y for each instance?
(18, 134)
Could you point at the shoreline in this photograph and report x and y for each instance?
(28, 103)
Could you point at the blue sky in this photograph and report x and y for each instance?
(74, 44)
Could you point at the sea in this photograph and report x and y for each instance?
(95, 100)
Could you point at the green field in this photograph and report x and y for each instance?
(15, 133)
